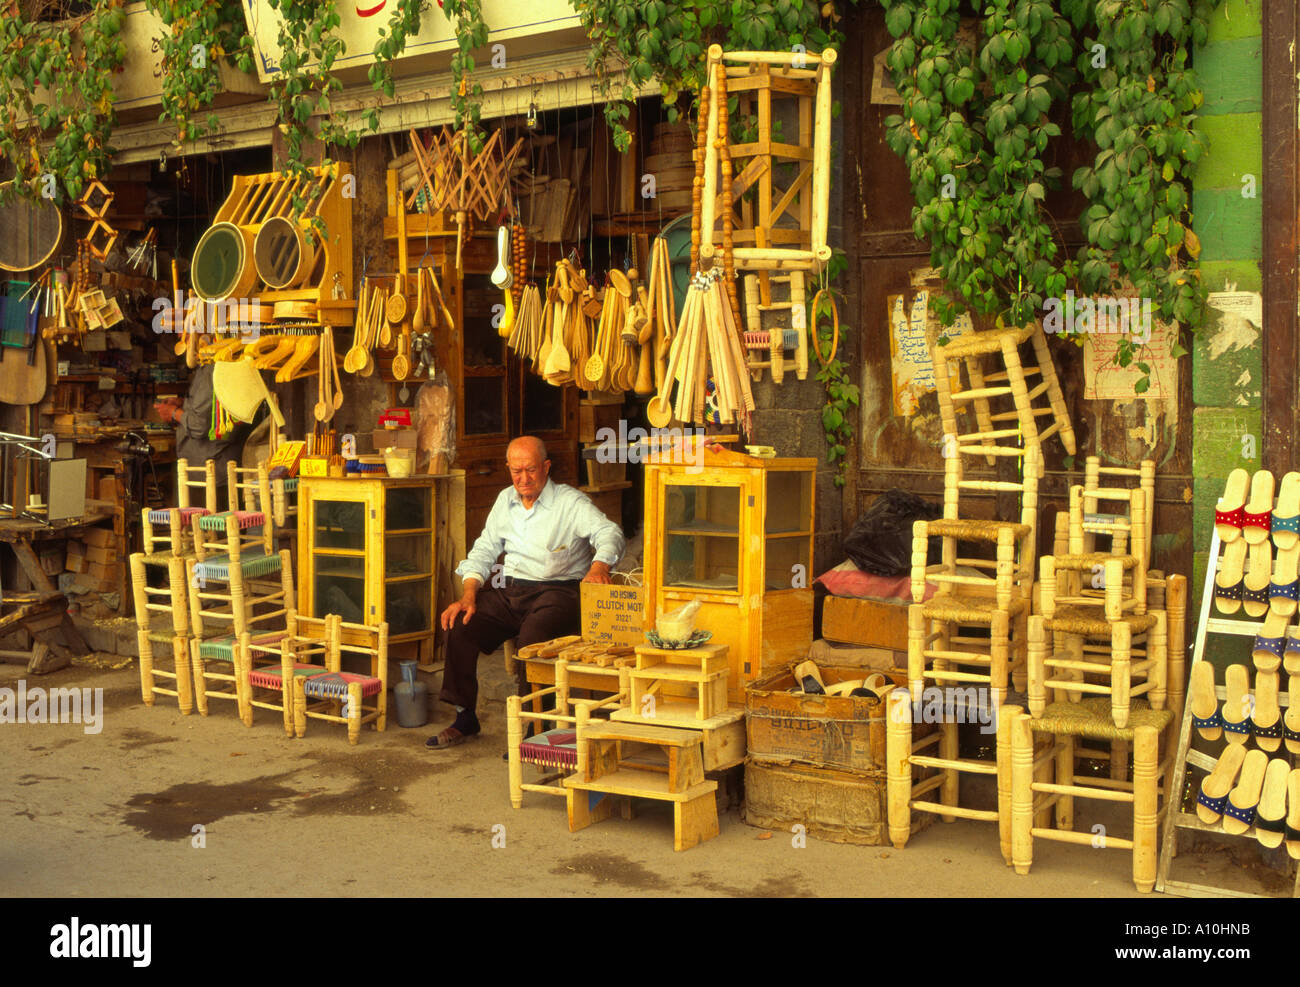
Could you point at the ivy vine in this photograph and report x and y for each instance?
(466, 92)
(200, 35)
(71, 63)
(977, 130)
(841, 393)
(667, 42)
(404, 22)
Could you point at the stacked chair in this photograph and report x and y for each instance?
(168, 543)
(336, 696)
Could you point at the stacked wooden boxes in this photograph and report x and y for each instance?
(816, 761)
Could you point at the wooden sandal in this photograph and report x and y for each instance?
(1291, 655)
(1205, 704)
(1229, 512)
(1237, 703)
(1291, 718)
(1286, 516)
(1228, 579)
(1267, 718)
(1269, 642)
(1256, 583)
(1292, 831)
(1216, 786)
(1270, 815)
(1284, 590)
(1243, 801)
(1257, 515)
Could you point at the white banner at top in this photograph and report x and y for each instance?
(361, 20)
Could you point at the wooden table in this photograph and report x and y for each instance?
(42, 611)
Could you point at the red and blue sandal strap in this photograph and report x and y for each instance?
(1264, 519)
(1233, 519)
(1244, 815)
(1214, 805)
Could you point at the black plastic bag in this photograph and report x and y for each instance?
(881, 538)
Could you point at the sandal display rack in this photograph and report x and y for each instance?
(1176, 819)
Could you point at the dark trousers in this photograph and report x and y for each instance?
(530, 612)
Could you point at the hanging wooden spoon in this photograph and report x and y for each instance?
(397, 306)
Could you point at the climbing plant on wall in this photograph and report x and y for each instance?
(666, 42)
(200, 35)
(981, 104)
(56, 79)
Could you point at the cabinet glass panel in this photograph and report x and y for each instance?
(484, 347)
(789, 501)
(407, 555)
(408, 606)
(340, 524)
(783, 554)
(340, 587)
(702, 543)
(408, 507)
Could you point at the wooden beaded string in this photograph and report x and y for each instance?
(697, 186)
(724, 156)
(835, 330)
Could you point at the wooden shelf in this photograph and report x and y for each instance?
(640, 784)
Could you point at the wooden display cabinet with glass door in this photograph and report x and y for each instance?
(734, 532)
(366, 547)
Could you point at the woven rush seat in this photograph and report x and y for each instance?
(162, 558)
(969, 530)
(334, 685)
(968, 609)
(218, 566)
(1087, 560)
(553, 749)
(270, 676)
(1086, 620)
(162, 515)
(223, 648)
(1092, 718)
(245, 520)
(985, 341)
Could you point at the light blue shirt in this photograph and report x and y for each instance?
(556, 539)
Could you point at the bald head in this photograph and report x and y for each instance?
(529, 467)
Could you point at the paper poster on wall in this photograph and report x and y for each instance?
(1104, 380)
(912, 368)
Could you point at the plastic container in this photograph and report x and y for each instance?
(411, 697)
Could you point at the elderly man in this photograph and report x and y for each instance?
(553, 538)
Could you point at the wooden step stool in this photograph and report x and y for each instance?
(662, 674)
(977, 352)
(644, 761)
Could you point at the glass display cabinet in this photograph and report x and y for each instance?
(734, 532)
(366, 551)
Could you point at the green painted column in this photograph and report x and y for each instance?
(1227, 203)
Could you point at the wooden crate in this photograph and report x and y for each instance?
(837, 806)
(597, 413)
(871, 623)
(843, 732)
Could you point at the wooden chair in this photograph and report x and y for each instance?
(1114, 611)
(284, 509)
(337, 696)
(998, 601)
(1063, 723)
(249, 513)
(253, 604)
(266, 665)
(555, 748)
(911, 773)
(173, 634)
(995, 382)
(167, 531)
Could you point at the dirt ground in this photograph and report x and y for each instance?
(113, 814)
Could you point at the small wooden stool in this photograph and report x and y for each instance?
(1065, 722)
(983, 385)
(337, 696)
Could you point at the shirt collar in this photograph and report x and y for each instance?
(543, 499)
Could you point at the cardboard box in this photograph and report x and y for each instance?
(873, 623)
(101, 570)
(613, 613)
(833, 805)
(842, 732)
(76, 561)
(99, 555)
(387, 438)
(98, 537)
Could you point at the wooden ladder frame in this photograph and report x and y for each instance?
(1175, 818)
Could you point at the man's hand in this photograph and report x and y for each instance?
(598, 573)
(467, 605)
